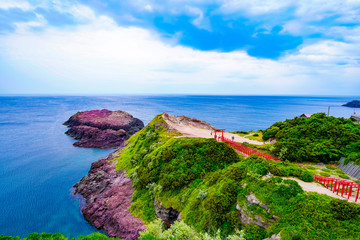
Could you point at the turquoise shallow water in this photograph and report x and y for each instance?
(39, 165)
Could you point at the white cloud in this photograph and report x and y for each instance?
(7, 4)
(305, 10)
(101, 57)
(254, 7)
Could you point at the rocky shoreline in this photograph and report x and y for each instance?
(102, 128)
(107, 193)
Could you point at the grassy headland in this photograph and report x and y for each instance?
(207, 180)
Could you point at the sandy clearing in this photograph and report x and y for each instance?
(188, 130)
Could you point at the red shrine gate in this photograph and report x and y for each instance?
(242, 149)
(219, 131)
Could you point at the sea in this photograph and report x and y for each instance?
(39, 164)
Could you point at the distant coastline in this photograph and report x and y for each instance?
(352, 104)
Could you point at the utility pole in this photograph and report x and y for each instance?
(328, 110)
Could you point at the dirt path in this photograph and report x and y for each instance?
(187, 129)
(318, 188)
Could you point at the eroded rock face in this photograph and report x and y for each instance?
(102, 128)
(247, 217)
(187, 121)
(167, 215)
(274, 237)
(107, 193)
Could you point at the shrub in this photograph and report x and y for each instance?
(344, 210)
(288, 188)
(270, 133)
(325, 174)
(254, 232)
(330, 167)
(344, 176)
(307, 177)
(202, 194)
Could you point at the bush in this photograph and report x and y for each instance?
(254, 232)
(202, 194)
(316, 139)
(330, 167)
(307, 177)
(325, 174)
(344, 176)
(270, 133)
(288, 188)
(344, 210)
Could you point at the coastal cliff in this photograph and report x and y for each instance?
(107, 193)
(102, 128)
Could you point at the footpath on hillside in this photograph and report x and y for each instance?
(190, 127)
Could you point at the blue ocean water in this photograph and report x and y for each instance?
(39, 165)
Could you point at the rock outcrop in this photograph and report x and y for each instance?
(102, 128)
(187, 121)
(352, 104)
(107, 193)
(247, 217)
(167, 215)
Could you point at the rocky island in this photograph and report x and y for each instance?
(102, 128)
(352, 104)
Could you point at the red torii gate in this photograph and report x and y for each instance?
(216, 130)
(347, 187)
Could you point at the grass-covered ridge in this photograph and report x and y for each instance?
(171, 168)
(316, 139)
(205, 180)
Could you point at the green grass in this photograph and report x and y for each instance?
(241, 133)
(257, 136)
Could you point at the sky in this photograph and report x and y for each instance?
(225, 47)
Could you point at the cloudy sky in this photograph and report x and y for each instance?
(262, 47)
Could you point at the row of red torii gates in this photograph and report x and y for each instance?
(240, 148)
(335, 184)
(347, 187)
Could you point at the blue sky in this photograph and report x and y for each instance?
(268, 47)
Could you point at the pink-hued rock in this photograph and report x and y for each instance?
(107, 193)
(102, 128)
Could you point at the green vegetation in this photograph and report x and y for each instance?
(241, 133)
(328, 171)
(305, 215)
(252, 135)
(58, 236)
(182, 231)
(257, 136)
(316, 139)
(205, 180)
